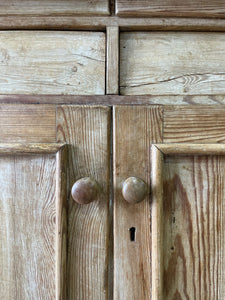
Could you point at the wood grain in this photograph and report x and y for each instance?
(100, 23)
(38, 62)
(135, 128)
(61, 223)
(194, 236)
(191, 149)
(112, 69)
(116, 99)
(87, 130)
(29, 206)
(54, 7)
(157, 222)
(168, 8)
(194, 124)
(27, 123)
(169, 63)
(30, 148)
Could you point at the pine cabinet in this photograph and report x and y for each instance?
(137, 106)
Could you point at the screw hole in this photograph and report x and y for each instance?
(132, 234)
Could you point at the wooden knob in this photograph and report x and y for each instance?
(84, 190)
(134, 190)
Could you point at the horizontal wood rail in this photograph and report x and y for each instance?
(101, 22)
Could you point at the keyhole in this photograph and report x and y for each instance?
(132, 234)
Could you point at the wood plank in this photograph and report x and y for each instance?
(29, 206)
(87, 130)
(112, 69)
(135, 128)
(175, 63)
(116, 99)
(194, 238)
(38, 62)
(170, 8)
(100, 23)
(194, 124)
(157, 222)
(54, 7)
(27, 123)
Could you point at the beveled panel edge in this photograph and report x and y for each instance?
(30, 148)
(191, 149)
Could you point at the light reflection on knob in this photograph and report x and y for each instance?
(85, 190)
(134, 190)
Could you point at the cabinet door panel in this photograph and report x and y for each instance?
(189, 8)
(188, 222)
(54, 7)
(44, 62)
(33, 222)
(172, 63)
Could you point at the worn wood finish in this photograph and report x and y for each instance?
(54, 7)
(135, 128)
(194, 227)
(100, 23)
(35, 62)
(172, 63)
(87, 129)
(61, 223)
(27, 123)
(192, 240)
(157, 223)
(191, 149)
(168, 8)
(194, 124)
(30, 209)
(32, 148)
(112, 69)
(116, 99)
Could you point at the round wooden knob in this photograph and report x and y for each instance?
(84, 190)
(134, 190)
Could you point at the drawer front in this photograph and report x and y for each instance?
(34, 62)
(54, 7)
(189, 8)
(169, 63)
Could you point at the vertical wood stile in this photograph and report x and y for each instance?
(61, 223)
(157, 228)
(135, 129)
(87, 130)
(112, 65)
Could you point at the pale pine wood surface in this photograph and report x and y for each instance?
(27, 227)
(35, 62)
(194, 236)
(87, 131)
(100, 23)
(27, 123)
(166, 63)
(112, 69)
(157, 223)
(110, 100)
(54, 7)
(135, 128)
(189, 8)
(194, 124)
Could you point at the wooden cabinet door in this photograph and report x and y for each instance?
(42, 229)
(179, 246)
